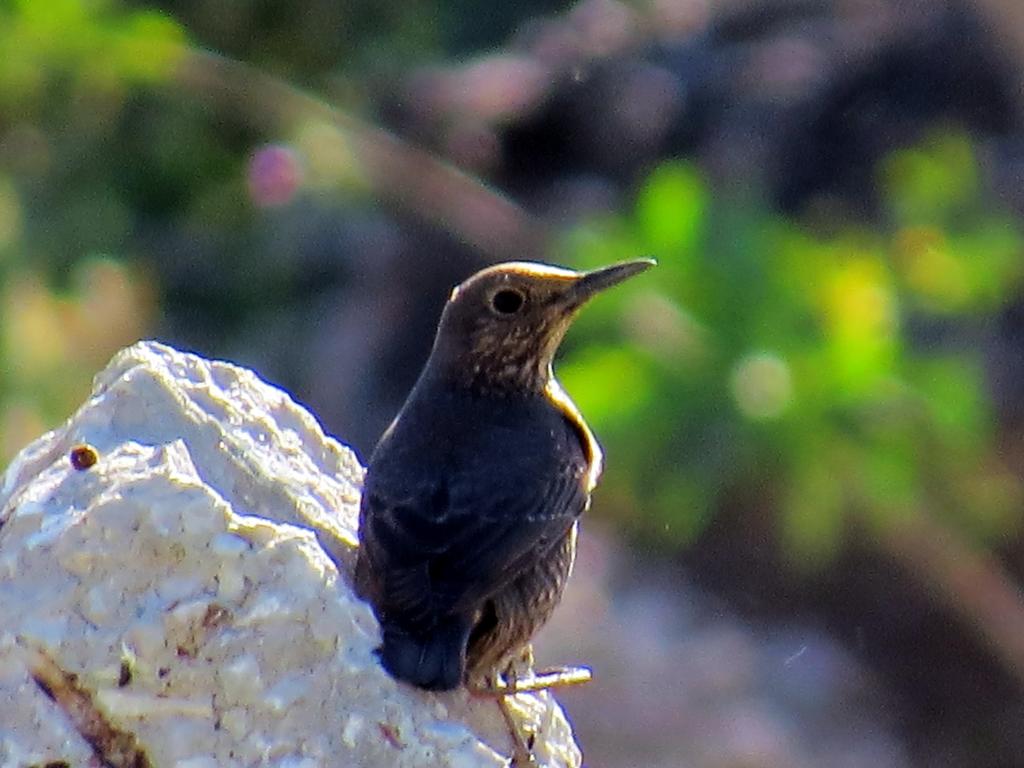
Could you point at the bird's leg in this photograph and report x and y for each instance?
(510, 683)
(531, 682)
(556, 677)
(522, 740)
(500, 688)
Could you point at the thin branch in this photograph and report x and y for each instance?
(400, 173)
(972, 582)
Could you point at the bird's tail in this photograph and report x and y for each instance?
(435, 660)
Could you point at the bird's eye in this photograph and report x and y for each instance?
(507, 301)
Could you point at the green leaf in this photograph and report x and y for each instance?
(670, 209)
(926, 184)
(812, 514)
(609, 384)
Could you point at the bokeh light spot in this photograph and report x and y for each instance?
(275, 175)
(762, 385)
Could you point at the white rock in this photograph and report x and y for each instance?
(186, 590)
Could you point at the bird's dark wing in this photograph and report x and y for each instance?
(500, 541)
(465, 533)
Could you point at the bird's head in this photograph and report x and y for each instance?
(501, 328)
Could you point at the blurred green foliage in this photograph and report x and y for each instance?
(68, 299)
(81, 46)
(805, 370)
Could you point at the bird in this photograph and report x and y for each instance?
(472, 497)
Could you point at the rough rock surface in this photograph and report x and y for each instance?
(186, 600)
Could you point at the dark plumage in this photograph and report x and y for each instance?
(470, 505)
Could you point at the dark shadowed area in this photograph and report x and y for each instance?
(807, 547)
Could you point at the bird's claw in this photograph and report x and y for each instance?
(522, 740)
(523, 759)
(513, 684)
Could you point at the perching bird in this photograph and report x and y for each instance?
(471, 499)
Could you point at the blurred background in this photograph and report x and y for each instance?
(807, 547)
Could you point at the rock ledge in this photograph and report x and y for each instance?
(186, 600)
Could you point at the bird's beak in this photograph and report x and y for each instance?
(597, 280)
